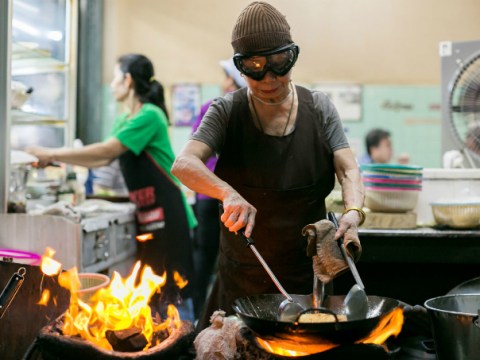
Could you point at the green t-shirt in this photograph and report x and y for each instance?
(148, 131)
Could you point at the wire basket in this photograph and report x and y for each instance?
(90, 283)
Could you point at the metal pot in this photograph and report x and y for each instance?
(456, 326)
(259, 313)
(471, 286)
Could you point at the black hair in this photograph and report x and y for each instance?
(374, 137)
(146, 87)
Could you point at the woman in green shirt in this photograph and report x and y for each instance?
(140, 140)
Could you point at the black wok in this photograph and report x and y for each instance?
(259, 313)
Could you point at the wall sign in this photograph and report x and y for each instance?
(347, 98)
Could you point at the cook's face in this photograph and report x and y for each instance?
(119, 85)
(271, 87)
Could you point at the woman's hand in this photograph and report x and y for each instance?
(238, 214)
(45, 155)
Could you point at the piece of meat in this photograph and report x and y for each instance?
(218, 341)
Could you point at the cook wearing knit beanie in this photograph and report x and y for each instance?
(279, 147)
(260, 26)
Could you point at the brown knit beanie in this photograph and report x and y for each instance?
(260, 27)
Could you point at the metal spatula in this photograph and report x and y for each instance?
(288, 310)
(356, 301)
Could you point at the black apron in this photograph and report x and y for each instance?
(160, 212)
(287, 179)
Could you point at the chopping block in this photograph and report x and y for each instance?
(379, 220)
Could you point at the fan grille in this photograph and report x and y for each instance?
(465, 106)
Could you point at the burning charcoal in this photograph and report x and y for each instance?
(127, 340)
(160, 336)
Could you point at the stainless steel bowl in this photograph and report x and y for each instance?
(457, 215)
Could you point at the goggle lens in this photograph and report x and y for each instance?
(278, 61)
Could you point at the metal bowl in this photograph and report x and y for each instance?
(457, 215)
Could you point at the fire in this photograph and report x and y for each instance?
(122, 305)
(44, 298)
(144, 237)
(390, 325)
(49, 266)
(293, 348)
(179, 281)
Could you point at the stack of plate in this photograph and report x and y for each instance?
(391, 188)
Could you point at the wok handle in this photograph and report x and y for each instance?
(348, 259)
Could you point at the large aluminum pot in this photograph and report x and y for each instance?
(471, 286)
(456, 326)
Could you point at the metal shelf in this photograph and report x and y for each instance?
(26, 60)
(22, 117)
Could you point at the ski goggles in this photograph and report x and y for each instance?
(279, 61)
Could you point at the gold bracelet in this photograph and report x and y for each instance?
(360, 212)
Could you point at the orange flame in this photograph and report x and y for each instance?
(390, 325)
(144, 237)
(49, 266)
(179, 281)
(44, 298)
(121, 305)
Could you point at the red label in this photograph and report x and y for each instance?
(146, 217)
(143, 197)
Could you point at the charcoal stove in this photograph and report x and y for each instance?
(51, 344)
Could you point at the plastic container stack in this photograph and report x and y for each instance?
(391, 188)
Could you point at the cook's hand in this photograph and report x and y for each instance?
(238, 214)
(348, 225)
(44, 155)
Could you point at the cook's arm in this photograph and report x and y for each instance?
(189, 167)
(94, 155)
(348, 175)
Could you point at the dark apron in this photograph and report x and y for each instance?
(286, 179)
(160, 212)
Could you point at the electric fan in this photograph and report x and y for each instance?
(461, 99)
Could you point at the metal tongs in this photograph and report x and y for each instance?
(288, 309)
(356, 301)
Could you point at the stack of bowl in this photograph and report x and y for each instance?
(391, 188)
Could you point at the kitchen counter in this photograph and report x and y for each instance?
(414, 265)
(423, 245)
(100, 242)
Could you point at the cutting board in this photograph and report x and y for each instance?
(377, 220)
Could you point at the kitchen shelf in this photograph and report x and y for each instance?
(22, 117)
(43, 57)
(27, 60)
(28, 51)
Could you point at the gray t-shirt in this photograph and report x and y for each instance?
(213, 128)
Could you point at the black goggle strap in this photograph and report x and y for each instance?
(291, 46)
